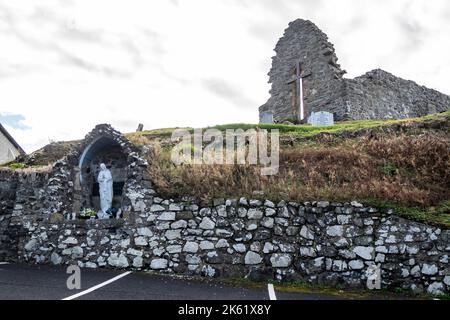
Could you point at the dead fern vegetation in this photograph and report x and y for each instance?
(405, 171)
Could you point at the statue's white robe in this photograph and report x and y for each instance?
(105, 182)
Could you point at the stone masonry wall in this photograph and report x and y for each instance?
(381, 95)
(375, 95)
(320, 243)
(21, 194)
(305, 42)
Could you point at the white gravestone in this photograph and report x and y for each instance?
(321, 119)
(267, 118)
(105, 182)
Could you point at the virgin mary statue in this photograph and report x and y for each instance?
(105, 182)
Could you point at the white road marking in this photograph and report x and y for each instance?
(3, 263)
(272, 294)
(97, 286)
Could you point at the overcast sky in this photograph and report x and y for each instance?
(66, 66)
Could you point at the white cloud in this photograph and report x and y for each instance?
(68, 65)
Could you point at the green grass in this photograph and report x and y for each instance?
(297, 130)
(14, 165)
(438, 216)
(352, 294)
(308, 130)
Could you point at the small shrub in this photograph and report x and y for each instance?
(389, 169)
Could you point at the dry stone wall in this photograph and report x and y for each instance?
(321, 243)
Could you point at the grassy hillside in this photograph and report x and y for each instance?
(300, 130)
(403, 164)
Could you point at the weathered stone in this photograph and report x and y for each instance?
(193, 259)
(145, 232)
(447, 280)
(323, 204)
(344, 219)
(241, 248)
(31, 245)
(175, 207)
(356, 204)
(184, 215)
(206, 245)
(436, 288)
(335, 231)
(268, 222)
(173, 234)
(367, 253)
(356, 264)
(429, 269)
(118, 261)
(140, 241)
(307, 252)
(191, 247)
(207, 224)
(224, 233)
(91, 265)
(268, 247)
(306, 233)
(254, 214)
(222, 243)
(167, 216)
(222, 211)
(181, 224)
(270, 212)
(55, 259)
(280, 260)
(174, 249)
(251, 226)
(252, 258)
(70, 240)
(159, 264)
(339, 265)
(134, 252)
(156, 208)
(292, 231)
(77, 252)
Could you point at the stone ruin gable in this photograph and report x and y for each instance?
(303, 41)
(322, 243)
(381, 95)
(375, 95)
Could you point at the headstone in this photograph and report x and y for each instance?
(266, 118)
(321, 119)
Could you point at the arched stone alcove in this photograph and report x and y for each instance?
(108, 151)
(102, 145)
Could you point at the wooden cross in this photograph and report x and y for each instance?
(298, 102)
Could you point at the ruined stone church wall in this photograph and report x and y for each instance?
(375, 95)
(381, 95)
(304, 42)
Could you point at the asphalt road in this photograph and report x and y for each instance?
(24, 282)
